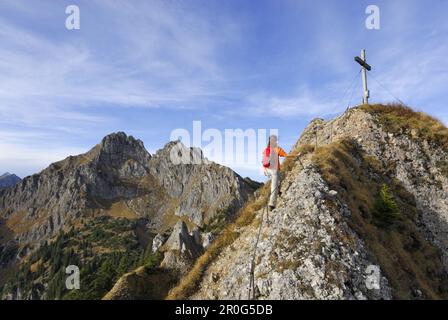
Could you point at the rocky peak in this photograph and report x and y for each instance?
(206, 190)
(110, 172)
(414, 148)
(118, 146)
(8, 180)
(177, 153)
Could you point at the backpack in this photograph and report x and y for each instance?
(267, 157)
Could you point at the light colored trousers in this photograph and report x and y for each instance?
(275, 185)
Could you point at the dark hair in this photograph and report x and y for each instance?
(269, 139)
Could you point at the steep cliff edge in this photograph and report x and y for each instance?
(362, 215)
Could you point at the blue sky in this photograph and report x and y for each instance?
(149, 67)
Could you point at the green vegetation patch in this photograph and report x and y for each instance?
(104, 248)
(385, 208)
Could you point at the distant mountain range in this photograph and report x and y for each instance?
(8, 180)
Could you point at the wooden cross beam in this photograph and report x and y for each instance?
(365, 67)
(363, 63)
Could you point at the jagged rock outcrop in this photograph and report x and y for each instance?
(157, 242)
(120, 169)
(181, 249)
(41, 204)
(203, 189)
(362, 214)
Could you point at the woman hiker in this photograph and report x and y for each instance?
(271, 164)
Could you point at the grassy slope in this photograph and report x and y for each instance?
(188, 284)
(408, 260)
(400, 119)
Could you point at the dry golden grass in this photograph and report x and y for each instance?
(35, 266)
(18, 223)
(121, 210)
(443, 166)
(342, 171)
(170, 218)
(407, 259)
(75, 161)
(401, 119)
(142, 284)
(294, 156)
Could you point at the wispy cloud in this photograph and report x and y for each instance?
(304, 103)
(142, 54)
(407, 63)
(23, 158)
(416, 76)
(163, 56)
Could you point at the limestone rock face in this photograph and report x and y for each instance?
(120, 169)
(303, 252)
(181, 249)
(157, 242)
(111, 171)
(207, 239)
(414, 162)
(204, 189)
(311, 246)
(182, 241)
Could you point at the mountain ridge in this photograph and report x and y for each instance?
(334, 222)
(117, 178)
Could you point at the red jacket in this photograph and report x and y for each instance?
(275, 154)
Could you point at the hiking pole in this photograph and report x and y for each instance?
(298, 158)
(267, 213)
(251, 295)
(251, 280)
(251, 291)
